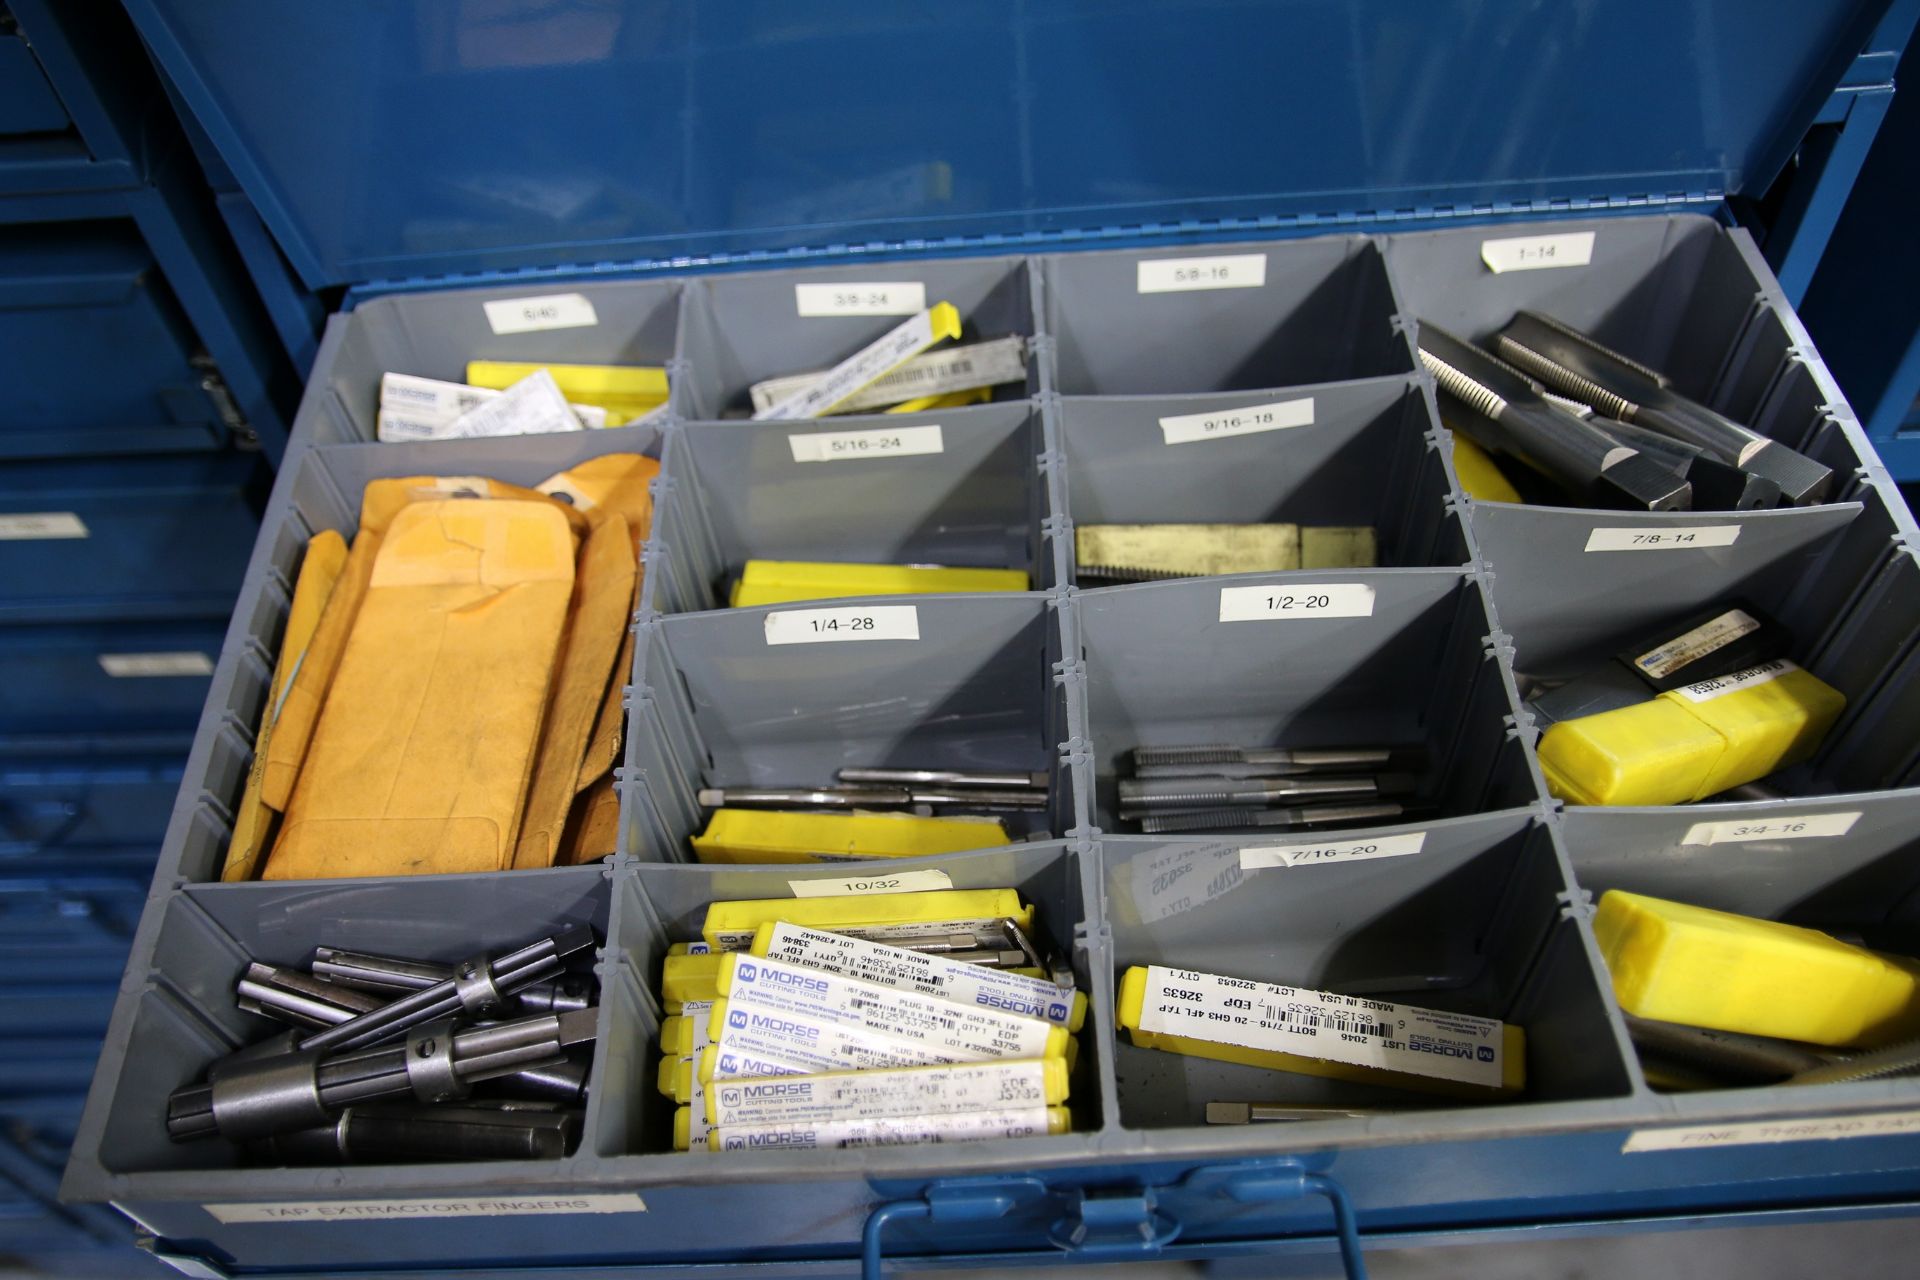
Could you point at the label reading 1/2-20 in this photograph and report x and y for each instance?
(819, 626)
(1311, 600)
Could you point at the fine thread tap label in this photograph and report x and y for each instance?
(1185, 275)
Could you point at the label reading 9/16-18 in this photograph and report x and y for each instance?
(1249, 420)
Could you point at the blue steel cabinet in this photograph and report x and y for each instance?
(28, 103)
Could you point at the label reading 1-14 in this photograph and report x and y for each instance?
(1309, 600)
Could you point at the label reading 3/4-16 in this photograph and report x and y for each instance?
(853, 298)
(866, 622)
(1297, 600)
(549, 311)
(1536, 253)
(846, 446)
(1700, 535)
(1805, 826)
(1249, 420)
(1183, 275)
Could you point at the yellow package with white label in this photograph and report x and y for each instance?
(420, 760)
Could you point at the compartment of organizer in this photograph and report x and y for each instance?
(1353, 454)
(107, 677)
(733, 699)
(959, 488)
(1848, 867)
(1470, 923)
(1845, 599)
(435, 335)
(663, 905)
(746, 329)
(183, 1015)
(1391, 658)
(321, 490)
(116, 538)
(100, 356)
(1680, 294)
(1221, 317)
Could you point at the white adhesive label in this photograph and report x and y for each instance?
(852, 446)
(414, 408)
(915, 1091)
(549, 311)
(531, 406)
(1811, 826)
(733, 1063)
(1183, 275)
(1319, 1024)
(1306, 600)
(887, 1131)
(438, 1207)
(1251, 420)
(935, 1029)
(891, 298)
(1697, 643)
(31, 526)
(124, 665)
(897, 347)
(921, 972)
(824, 626)
(1705, 1137)
(1721, 686)
(901, 882)
(1314, 855)
(697, 1125)
(963, 368)
(1178, 879)
(1535, 253)
(1700, 535)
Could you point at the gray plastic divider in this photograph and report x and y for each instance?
(179, 1014)
(1321, 312)
(1418, 670)
(667, 904)
(717, 705)
(1470, 923)
(741, 493)
(743, 329)
(1366, 457)
(434, 335)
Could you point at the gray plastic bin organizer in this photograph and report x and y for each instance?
(1369, 457)
(715, 706)
(1492, 915)
(739, 494)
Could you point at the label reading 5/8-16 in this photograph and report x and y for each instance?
(1301, 600)
(1249, 420)
(1183, 275)
(866, 622)
(1700, 535)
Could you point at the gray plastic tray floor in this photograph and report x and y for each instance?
(1491, 916)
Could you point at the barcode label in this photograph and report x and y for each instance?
(1219, 425)
(1307, 600)
(851, 446)
(1322, 1025)
(1811, 826)
(893, 298)
(1181, 878)
(1312, 855)
(1700, 535)
(439, 1207)
(549, 311)
(31, 526)
(1536, 253)
(1183, 275)
(1721, 686)
(824, 626)
(902, 343)
(1697, 643)
(978, 364)
(133, 665)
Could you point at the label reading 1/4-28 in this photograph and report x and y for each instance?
(1311, 600)
(1187, 428)
(820, 626)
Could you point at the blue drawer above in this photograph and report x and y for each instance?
(28, 103)
(107, 677)
(99, 354)
(55, 808)
(125, 538)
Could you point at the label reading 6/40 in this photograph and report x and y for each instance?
(1305, 600)
(868, 622)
